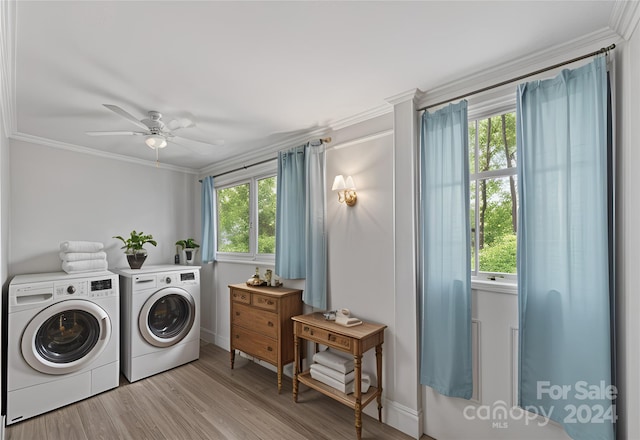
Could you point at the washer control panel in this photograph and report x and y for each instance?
(86, 288)
(72, 288)
(103, 287)
(178, 278)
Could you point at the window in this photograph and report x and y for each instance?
(242, 205)
(493, 195)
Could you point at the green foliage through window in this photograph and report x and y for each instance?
(267, 215)
(233, 219)
(242, 206)
(493, 189)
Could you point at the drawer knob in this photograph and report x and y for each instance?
(270, 302)
(270, 324)
(237, 336)
(237, 313)
(269, 349)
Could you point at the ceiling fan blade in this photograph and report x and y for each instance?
(179, 123)
(215, 142)
(128, 116)
(115, 133)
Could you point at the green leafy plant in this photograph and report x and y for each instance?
(134, 244)
(189, 243)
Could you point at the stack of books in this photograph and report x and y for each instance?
(336, 370)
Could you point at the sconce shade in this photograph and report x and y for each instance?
(155, 141)
(338, 183)
(350, 184)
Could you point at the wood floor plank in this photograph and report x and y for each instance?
(204, 400)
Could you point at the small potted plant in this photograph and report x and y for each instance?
(136, 254)
(189, 249)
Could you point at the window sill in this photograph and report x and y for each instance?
(503, 286)
(250, 262)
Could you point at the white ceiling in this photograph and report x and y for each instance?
(257, 73)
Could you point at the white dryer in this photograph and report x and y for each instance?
(160, 318)
(63, 336)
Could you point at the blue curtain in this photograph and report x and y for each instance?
(315, 292)
(446, 362)
(300, 220)
(563, 250)
(208, 211)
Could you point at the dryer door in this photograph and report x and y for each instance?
(167, 317)
(66, 336)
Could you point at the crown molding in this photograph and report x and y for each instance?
(503, 71)
(84, 150)
(7, 66)
(409, 95)
(361, 117)
(624, 18)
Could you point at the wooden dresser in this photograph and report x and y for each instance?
(261, 324)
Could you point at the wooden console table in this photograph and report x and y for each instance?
(354, 340)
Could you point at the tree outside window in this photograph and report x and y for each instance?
(242, 206)
(493, 194)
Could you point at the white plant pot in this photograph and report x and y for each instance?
(189, 255)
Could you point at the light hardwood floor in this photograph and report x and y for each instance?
(203, 400)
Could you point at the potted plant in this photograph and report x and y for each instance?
(136, 254)
(189, 249)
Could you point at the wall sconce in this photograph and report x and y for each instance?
(346, 190)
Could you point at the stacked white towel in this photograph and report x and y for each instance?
(336, 370)
(83, 256)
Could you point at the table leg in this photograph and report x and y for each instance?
(357, 392)
(297, 365)
(232, 355)
(279, 378)
(379, 372)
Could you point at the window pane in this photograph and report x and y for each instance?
(496, 142)
(233, 219)
(472, 146)
(267, 215)
(472, 222)
(496, 225)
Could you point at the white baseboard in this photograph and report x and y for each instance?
(400, 417)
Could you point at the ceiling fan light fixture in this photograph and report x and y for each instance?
(154, 141)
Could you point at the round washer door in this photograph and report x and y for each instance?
(167, 317)
(66, 336)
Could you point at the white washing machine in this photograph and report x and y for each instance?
(160, 318)
(63, 336)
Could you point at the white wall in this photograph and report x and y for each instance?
(360, 246)
(59, 195)
(628, 218)
(4, 235)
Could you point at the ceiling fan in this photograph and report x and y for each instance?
(156, 133)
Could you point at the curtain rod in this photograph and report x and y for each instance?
(322, 141)
(604, 50)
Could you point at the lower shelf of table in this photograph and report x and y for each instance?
(346, 399)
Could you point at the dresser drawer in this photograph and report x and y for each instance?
(260, 321)
(324, 337)
(264, 302)
(241, 296)
(254, 344)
